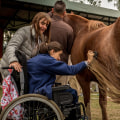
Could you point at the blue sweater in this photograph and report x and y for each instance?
(42, 71)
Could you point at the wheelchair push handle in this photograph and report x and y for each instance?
(7, 67)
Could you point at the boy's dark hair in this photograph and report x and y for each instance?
(59, 7)
(46, 47)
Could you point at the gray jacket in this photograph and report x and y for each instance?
(22, 40)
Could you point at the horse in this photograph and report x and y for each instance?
(105, 40)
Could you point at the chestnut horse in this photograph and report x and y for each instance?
(96, 36)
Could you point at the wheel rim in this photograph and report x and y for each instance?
(35, 109)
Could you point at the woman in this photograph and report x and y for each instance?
(27, 40)
(43, 68)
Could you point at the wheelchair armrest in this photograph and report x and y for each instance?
(60, 88)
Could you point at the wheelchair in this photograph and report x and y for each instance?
(39, 107)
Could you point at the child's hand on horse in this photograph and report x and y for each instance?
(90, 56)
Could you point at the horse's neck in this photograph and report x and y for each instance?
(116, 34)
(111, 38)
(116, 29)
(79, 27)
(78, 23)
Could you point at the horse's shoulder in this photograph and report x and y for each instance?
(93, 25)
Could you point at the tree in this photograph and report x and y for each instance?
(91, 2)
(95, 2)
(98, 2)
(116, 3)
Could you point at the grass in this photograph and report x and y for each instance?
(0, 93)
(113, 109)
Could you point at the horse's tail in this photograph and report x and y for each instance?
(107, 80)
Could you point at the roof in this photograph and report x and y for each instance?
(74, 6)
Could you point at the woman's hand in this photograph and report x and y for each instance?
(16, 66)
(90, 56)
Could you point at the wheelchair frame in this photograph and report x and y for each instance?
(39, 107)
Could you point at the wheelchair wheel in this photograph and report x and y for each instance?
(35, 107)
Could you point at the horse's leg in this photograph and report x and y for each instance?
(85, 85)
(86, 94)
(103, 103)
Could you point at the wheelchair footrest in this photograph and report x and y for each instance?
(66, 109)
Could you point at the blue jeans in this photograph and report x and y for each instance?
(74, 93)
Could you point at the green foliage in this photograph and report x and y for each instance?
(95, 2)
(98, 2)
(110, 0)
(0, 92)
(7, 37)
(117, 4)
(91, 2)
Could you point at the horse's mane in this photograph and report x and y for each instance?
(93, 25)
